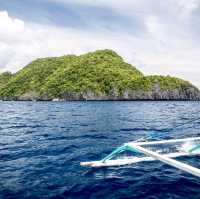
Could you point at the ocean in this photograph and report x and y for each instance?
(43, 143)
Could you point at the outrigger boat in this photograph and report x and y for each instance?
(189, 147)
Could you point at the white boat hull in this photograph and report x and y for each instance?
(131, 160)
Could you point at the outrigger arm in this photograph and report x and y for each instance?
(172, 162)
(133, 147)
(139, 147)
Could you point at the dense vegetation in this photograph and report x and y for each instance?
(165, 82)
(99, 72)
(4, 78)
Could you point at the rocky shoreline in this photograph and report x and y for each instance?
(187, 93)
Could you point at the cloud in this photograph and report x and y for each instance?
(186, 8)
(10, 29)
(157, 38)
(22, 42)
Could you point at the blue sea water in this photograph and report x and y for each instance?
(43, 143)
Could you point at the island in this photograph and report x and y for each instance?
(99, 75)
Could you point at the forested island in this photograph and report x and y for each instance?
(99, 75)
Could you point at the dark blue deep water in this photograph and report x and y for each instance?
(42, 144)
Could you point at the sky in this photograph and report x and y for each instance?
(158, 37)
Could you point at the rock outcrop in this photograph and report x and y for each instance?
(185, 93)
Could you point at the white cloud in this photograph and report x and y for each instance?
(21, 44)
(10, 29)
(163, 47)
(186, 8)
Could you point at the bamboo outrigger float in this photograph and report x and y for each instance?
(139, 147)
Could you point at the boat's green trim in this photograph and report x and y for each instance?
(129, 148)
(194, 148)
(121, 149)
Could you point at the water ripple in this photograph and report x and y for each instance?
(42, 144)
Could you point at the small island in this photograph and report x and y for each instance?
(99, 75)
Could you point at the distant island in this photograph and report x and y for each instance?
(100, 75)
